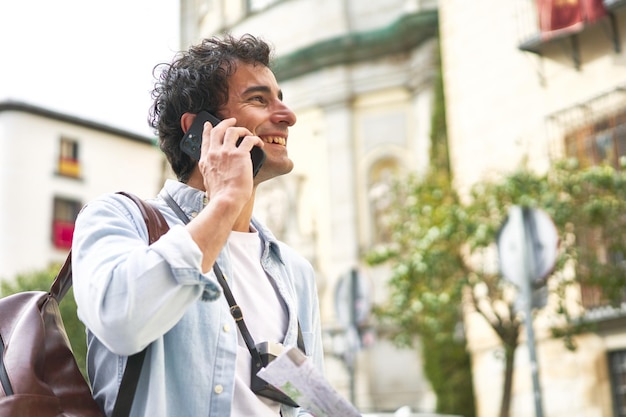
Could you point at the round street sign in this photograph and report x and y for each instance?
(527, 241)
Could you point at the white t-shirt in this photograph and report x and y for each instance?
(265, 316)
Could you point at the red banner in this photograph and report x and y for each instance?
(62, 234)
(567, 16)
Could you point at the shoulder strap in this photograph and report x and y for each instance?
(237, 314)
(155, 222)
(157, 226)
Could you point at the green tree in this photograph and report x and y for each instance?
(41, 281)
(428, 271)
(426, 283)
(440, 249)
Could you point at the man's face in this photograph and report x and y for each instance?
(255, 100)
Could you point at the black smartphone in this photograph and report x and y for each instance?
(192, 141)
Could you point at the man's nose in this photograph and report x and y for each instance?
(284, 114)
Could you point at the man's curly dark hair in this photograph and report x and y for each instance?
(197, 80)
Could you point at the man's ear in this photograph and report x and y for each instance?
(186, 120)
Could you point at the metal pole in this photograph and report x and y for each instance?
(353, 325)
(529, 234)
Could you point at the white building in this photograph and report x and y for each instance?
(51, 164)
(516, 92)
(359, 76)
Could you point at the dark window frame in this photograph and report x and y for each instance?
(617, 373)
(69, 158)
(586, 144)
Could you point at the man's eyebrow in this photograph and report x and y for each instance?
(262, 89)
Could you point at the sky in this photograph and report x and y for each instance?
(90, 59)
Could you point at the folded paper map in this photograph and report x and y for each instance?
(294, 374)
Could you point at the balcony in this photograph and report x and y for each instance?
(541, 25)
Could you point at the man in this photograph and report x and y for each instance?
(165, 296)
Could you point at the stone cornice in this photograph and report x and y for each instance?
(401, 36)
(19, 106)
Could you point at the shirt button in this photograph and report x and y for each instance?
(194, 214)
(218, 389)
(226, 328)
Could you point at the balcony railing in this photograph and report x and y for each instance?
(534, 36)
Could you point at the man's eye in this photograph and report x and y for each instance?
(260, 99)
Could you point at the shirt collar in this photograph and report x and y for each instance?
(192, 201)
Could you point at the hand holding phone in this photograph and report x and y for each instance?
(192, 141)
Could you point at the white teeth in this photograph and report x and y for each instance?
(275, 139)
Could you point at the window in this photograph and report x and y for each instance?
(69, 164)
(64, 217)
(617, 369)
(605, 287)
(602, 142)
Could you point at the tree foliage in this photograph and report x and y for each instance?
(426, 285)
(415, 287)
(41, 281)
(443, 248)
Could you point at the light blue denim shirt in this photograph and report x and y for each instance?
(132, 296)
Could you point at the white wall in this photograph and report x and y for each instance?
(498, 97)
(29, 151)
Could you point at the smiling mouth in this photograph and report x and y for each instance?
(275, 139)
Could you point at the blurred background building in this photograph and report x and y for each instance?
(531, 82)
(51, 165)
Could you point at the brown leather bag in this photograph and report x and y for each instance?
(39, 376)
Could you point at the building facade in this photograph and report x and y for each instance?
(51, 164)
(530, 82)
(359, 76)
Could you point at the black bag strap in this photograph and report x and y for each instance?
(235, 310)
(237, 314)
(157, 226)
